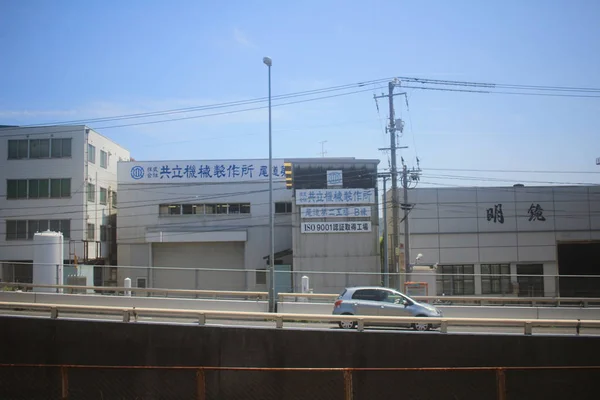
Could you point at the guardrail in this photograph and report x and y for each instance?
(201, 316)
(121, 290)
(477, 300)
(295, 297)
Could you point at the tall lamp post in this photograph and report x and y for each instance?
(268, 62)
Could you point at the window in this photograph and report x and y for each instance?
(16, 229)
(16, 189)
(39, 148)
(367, 294)
(456, 280)
(103, 159)
(60, 188)
(91, 153)
(34, 188)
(43, 188)
(141, 283)
(91, 231)
(495, 279)
(55, 225)
(18, 149)
(103, 195)
(103, 233)
(61, 148)
(200, 209)
(261, 277)
(283, 207)
(113, 196)
(91, 192)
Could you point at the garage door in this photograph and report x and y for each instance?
(187, 257)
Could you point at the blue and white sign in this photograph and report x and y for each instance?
(335, 227)
(335, 196)
(335, 178)
(199, 171)
(335, 212)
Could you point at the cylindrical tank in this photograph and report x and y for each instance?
(48, 259)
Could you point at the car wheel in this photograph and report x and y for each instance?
(421, 326)
(347, 324)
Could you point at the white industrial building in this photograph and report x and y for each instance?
(507, 240)
(59, 178)
(197, 224)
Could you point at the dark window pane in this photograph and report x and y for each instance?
(43, 225)
(56, 148)
(11, 230)
(234, 209)
(44, 188)
(54, 187)
(91, 231)
(13, 149)
(175, 209)
(65, 228)
(11, 189)
(22, 188)
(279, 208)
(245, 209)
(33, 228)
(188, 209)
(91, 154)
(103, 233)
(91, 192)
(114, 199)
(209, 208)
(23, 148)
(66, 147)
(55, 225)
(65, 187)
(34, 148)
(34, 192)
(22, 229)
(103, 195)
(44, 148)
(222, 208)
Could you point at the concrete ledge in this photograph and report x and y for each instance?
(141, 302)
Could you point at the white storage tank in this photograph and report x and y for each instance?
(48, 259)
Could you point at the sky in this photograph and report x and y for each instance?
(81, 60)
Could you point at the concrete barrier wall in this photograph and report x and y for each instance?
(46, 341)
(140, 302)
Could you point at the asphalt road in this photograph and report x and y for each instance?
(303, 326)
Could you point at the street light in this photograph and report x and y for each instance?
(268, 62)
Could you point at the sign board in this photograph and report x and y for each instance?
(335, 212)
(335, 178)
(335, 196)
(335, 227)
(218, 171)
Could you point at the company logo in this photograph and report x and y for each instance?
(137, 172)
(334, 178)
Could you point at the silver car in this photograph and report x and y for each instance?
(382, 301)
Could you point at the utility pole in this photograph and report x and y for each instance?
(392, 129)
(386, 260)
(410, 178)
(323, 152)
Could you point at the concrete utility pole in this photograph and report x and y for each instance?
(386, 261)
(409, 177)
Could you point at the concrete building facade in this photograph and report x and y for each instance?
(58, 178)
(527, 241)
(205, 225)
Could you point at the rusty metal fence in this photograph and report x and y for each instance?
(49, 382)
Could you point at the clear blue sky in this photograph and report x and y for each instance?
(67, 60)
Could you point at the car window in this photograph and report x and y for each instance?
(391, 297)
(366, 294)
(343, 293)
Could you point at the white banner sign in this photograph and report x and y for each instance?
(335, 196)
(199, 171)
(335, 227)
(335, 212)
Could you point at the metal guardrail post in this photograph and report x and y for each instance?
(360, 326)
(200, 384)
(444, 326)
(348, 389)
(201, 319)
(279, 322)
(528, 329)
(126, 316)
(54, 313)
(501, 384)
(64, 379)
